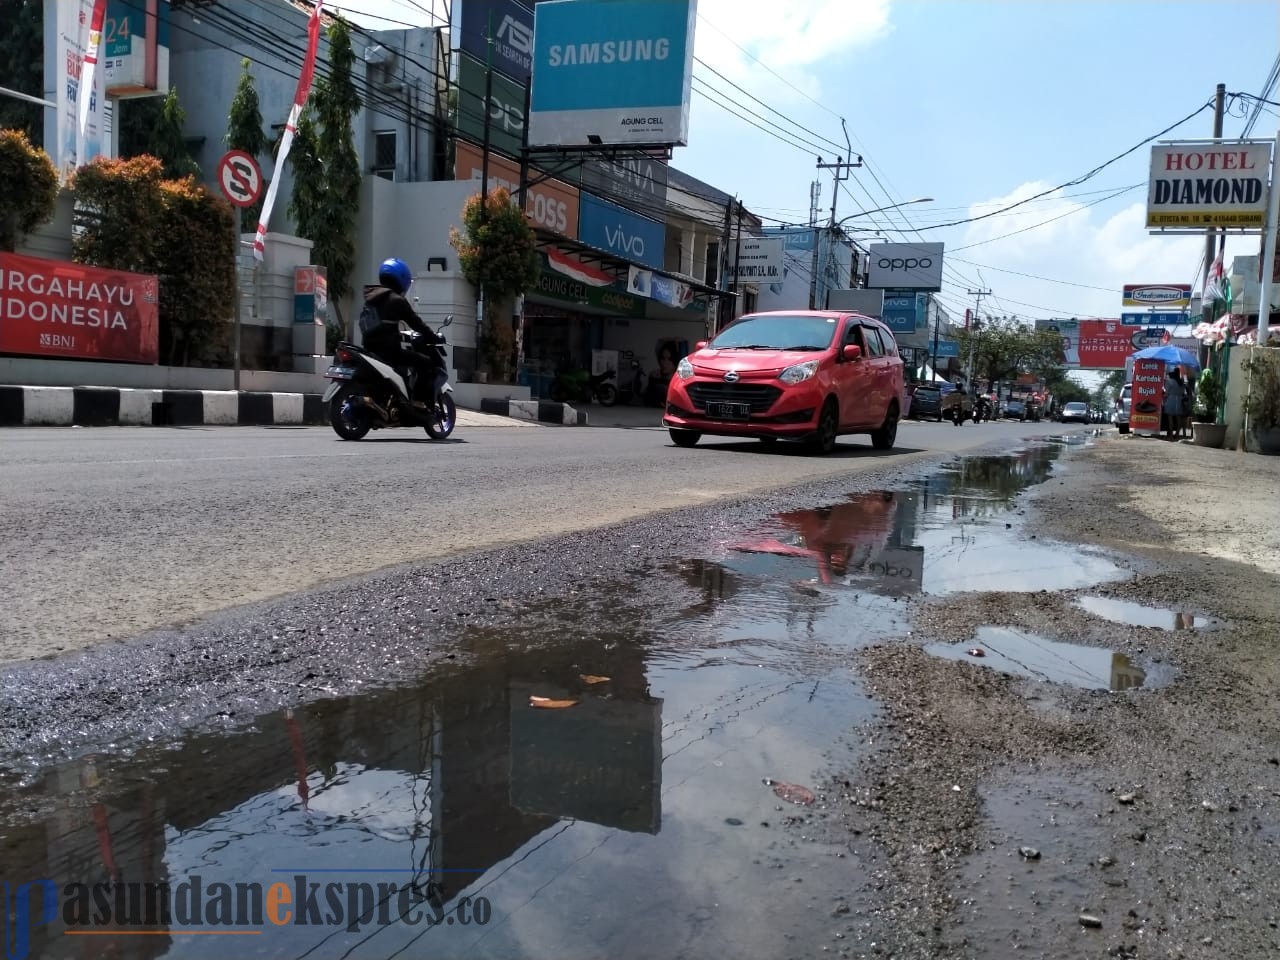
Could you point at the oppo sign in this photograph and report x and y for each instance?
(904, 266)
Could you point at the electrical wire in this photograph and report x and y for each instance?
(1081, 179)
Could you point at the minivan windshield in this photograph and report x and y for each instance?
(777, 332)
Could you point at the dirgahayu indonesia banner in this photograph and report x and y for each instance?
(52, 308)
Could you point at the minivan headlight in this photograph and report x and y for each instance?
(684, 369)
(799, 372)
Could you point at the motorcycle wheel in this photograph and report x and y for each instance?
(444, 419)
(348, 422)
(607, 394)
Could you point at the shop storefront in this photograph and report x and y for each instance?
(584, 315)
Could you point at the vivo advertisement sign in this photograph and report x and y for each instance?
(906, 266)
(608, 227)
(611, 72)
(901, 312)
(512, 25)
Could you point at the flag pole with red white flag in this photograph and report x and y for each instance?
(286, 141)
(88, 67)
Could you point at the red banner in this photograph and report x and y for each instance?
(51, 308)
(1147, 399)
(1105, 344)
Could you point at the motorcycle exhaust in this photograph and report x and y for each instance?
(369, 404)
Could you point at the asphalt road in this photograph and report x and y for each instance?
(113, 531)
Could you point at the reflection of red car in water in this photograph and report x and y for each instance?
(835, 536)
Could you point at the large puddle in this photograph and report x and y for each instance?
(953, 532)
(584, 792)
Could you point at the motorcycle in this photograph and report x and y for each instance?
(581, 387)
(367, 393)
(984, 409)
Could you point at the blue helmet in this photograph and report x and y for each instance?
(395, 273)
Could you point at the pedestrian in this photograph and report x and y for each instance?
(1172, 408)
(1188, 402)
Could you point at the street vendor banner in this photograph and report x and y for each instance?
(52, 308)
(1148, 396)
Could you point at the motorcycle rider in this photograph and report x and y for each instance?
(387, 298)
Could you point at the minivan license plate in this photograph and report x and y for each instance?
(729, 411)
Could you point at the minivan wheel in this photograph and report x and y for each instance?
(685, 438)
(823, 440)
(884, 438)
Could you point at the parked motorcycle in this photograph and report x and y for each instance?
(369, 394)
(579, 386)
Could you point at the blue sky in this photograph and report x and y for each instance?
(975, 104)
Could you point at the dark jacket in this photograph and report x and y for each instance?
(394, 310)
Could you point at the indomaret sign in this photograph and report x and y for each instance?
(1208, 185)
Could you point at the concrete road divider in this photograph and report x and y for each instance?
(541, 411)
(119, 406)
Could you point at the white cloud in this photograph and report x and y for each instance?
(788, 37)
(1100, 248)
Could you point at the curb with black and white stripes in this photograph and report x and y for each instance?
(539, 411)
(119, 406)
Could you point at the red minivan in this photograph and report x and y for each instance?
(790, 375)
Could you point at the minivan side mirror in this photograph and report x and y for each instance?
(851, 351)
(700, 345)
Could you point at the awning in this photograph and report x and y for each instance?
(603, 262)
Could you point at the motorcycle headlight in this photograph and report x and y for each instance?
(684, 369)
(799, 372)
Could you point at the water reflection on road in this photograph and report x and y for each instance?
(631, 819)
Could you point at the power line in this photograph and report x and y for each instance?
(755, 59)
(1042, 223)
(1078, 180)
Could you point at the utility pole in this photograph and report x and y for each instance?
(1219, 103)
(976, 326)
(841, 168)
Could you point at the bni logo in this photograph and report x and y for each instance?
(26, 906)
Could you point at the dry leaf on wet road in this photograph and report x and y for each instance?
(546, 703)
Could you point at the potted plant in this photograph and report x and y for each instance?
(1206, 430)
(1262, 401)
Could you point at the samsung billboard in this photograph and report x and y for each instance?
(611, 72)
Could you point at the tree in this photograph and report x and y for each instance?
(22, 66)
(137, 118)
(127, 217)
(326, 170)
(497, 250)
(168, 143)
(30, 192)
(1005, 347)
(245, 130)
(197, 276)
(119, 213)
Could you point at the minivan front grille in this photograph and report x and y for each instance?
(761, 396)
